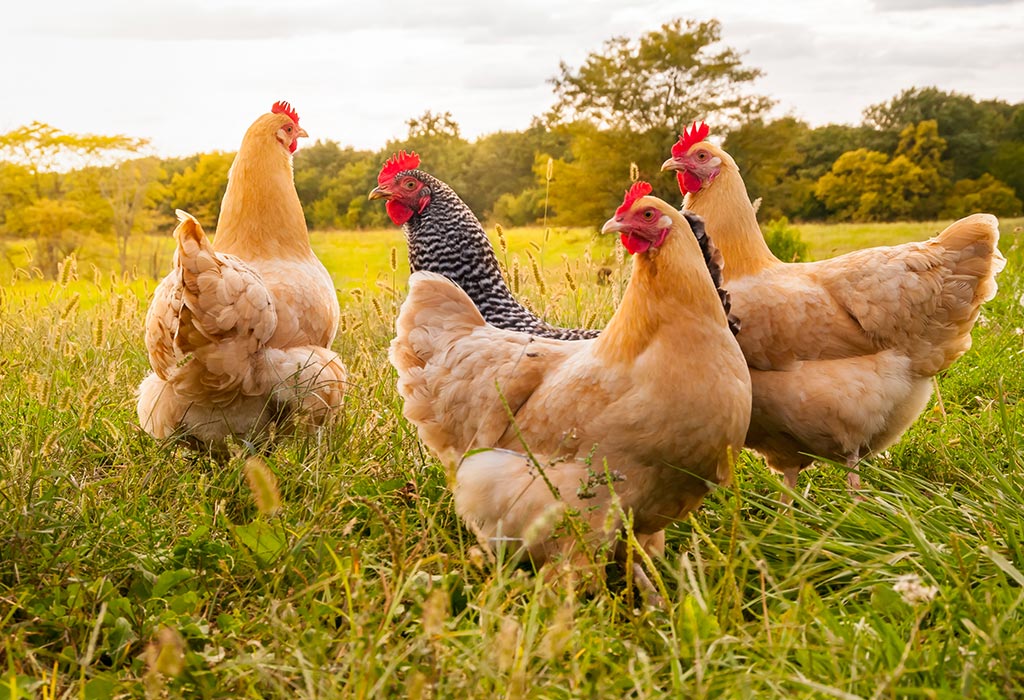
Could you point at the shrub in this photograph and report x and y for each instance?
(784, 240)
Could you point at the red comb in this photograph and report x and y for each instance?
(283, 107)
(397, 163)
(695, 134)
(638, 190)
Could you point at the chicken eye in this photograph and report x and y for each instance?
(288, 128)
(648, 215)
(702, 155)
(409, 184)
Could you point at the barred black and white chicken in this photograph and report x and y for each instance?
(446, 238)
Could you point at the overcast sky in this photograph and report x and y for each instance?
(192, 76)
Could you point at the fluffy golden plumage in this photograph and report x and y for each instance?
(663, 395)
(841, 351)
(214, 372)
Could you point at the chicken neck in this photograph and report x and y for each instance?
(261, 216)
(732, 224)
(669, 296)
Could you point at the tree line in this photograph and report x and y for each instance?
(924, 154)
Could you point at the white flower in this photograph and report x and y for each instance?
(913, 591)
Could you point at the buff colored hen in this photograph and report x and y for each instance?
(238, 334)
(662, 396)
(841, 352)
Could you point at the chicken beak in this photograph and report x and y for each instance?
(302, 133)
(612, 225)
(671, 164)
(379, 193)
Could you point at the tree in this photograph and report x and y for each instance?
(851, 190)
(47, 151)
(587, 185)
(200, 188)
(1008, 165)
(664, 80)
(328, 184)
(972, 130)
(772, 164)
(983, 194)
(438, 140)
(55, 214)
(865, 185)
(131, 188)
(55, 227)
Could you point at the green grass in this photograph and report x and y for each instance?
(130, 568)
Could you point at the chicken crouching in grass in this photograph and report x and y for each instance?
(445, 237)
(238, 334)
(660, 400)
(841, 352)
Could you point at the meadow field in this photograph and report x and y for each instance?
(335, 567)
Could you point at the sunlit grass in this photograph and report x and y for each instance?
(132, 569)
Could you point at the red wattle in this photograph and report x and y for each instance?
(295, 144)
(399, 213)
(423, 204)
(690, 182)
(634, 245)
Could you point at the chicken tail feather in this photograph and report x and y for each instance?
(970, 250)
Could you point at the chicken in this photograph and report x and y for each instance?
(445, 237)
(261, 221)
(842, 352)
(661, 398)
(238, 334)
(214, 372)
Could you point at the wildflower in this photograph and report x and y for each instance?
(913, 590)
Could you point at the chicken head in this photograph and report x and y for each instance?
(640, 228)
(397, 183)
(286, 126)
(695, 162)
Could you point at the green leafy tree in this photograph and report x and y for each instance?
(131, 189)
(866, 185)
(663, 80)
(773, 164)
(499, 166)
(437, 138)
(1008, 165)
(329, 180)
(200, 188)
(56, 227)
(984, 194)
(587, 185)
(925, 178)
(972, 130)
(60, 200)
(852, 189)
